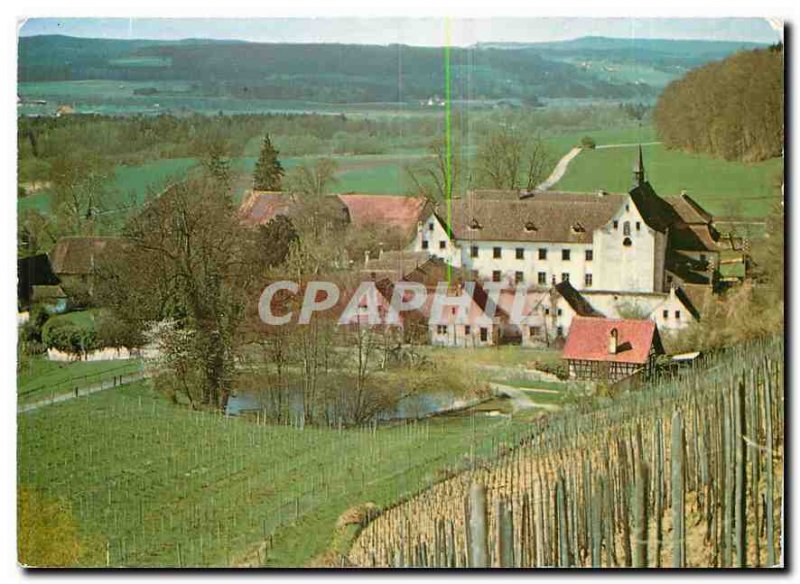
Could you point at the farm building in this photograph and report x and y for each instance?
(616, 242)
(603, 349)
(386, 212)
(33, 272)
(76, 259)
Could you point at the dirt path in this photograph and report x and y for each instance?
(81, 392)
(631, 145)
(560, 169)
(520, 400)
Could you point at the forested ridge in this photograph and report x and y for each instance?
(731, 109)
(339, 73)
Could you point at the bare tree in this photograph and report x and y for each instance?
(429, 175)
(507, 160)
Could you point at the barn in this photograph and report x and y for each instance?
(604, 349)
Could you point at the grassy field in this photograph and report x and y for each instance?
(165, 486)
(40, 379)
(130, 185)
(724, 188)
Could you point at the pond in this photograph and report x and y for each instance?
(411, 407)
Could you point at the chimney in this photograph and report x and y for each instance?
(366, 257)
(612, 341)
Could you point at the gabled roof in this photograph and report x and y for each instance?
(576, 300)
(42, 293)
(394, 264)
(546, 217)
(384, 210)
(655, 211)
(693, 238)
(260, 207)
(689, 210)
(588, 340)
(78, 256)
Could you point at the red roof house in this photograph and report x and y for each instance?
(385, 210)
(609, 349)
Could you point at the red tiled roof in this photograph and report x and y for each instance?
(384, 210)
(76, 255)
(260, 207)
(588, 339)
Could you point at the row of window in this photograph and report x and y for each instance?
(626, 227)
(442, 244)
(519, 252)
(665, 314)
(541, 278)
(536, 331)
(441, 329)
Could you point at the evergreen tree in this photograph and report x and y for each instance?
(268, 172)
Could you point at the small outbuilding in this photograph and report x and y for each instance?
(604, 349)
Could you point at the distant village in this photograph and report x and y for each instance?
(605, 275)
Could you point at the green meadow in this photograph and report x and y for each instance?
(128, 188)
(723, 188)
(163, 486)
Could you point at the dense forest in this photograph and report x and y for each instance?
(732, 109)
(338, 73)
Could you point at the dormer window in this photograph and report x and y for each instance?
(475, 224)
(577, 227)
(529, 226)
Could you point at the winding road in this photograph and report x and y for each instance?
(563, 164)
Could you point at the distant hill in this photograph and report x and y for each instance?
(336, 73)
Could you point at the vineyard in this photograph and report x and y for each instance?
(687, 473)
(152, 484)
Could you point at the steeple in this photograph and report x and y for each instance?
(638, 169)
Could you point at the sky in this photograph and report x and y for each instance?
(420, 31)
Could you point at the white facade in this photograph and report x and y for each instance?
(665, 309)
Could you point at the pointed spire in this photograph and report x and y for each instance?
(638, 169)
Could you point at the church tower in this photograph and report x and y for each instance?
(638, 169)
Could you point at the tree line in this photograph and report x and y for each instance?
(731, 109)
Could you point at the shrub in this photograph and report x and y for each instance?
(66, 335)
(588, 143)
